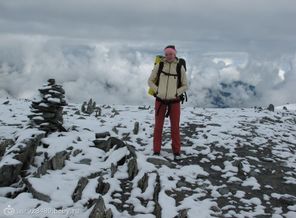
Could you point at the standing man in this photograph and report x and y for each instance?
(168, 81)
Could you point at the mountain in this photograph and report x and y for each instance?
(236, 162)
(228, 94)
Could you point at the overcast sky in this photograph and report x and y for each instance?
(226, 24)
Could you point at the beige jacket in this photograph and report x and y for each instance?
(167, 88)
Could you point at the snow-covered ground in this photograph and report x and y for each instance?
(236, 162)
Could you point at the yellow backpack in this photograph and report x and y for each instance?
(156, 61)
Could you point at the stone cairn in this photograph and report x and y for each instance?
(91, 107)
(47, 113)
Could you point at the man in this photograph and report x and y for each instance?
(167, 98)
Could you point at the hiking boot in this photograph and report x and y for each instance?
(177, 156)
(156, 153)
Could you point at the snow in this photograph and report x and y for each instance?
(251, 181)
(227, 131)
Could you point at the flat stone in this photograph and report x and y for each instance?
(102, 135)
(160, 162)
(35, 193)
(76, 196)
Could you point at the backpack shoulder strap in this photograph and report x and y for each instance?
(160, 67)
(181, 63)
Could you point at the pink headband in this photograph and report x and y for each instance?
(170, 50)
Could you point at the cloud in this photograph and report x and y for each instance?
(117, 73)
(228, 24)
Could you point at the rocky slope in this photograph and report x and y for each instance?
(235, 163)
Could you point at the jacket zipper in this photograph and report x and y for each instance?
(166, 93)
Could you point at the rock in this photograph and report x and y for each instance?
(35, 193)
(47, 113)
(143, 182)
(136, 128)
(99, 210)
(86, 161)
(223, 190)
(102, 187)
(4, 144)
(160, 162)
(157, 207)
(89, 107)
(9, 173)
(144, 107)
(285, 108)
(270, 107)
(288, 200)
(58, 161)
(113, 169)
(98, 112)
(76, 196)
(115, 130)
(18, 159)
(132, 168)
(102, 135)
(183, 213)
(42, 169)
(6, 102)
(83, 107)
(55, 163)
(76, 152)
(109, 144)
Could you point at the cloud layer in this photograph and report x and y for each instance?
(117, 73)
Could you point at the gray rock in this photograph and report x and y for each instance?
(99, 210)
(113, 169)
(270, 107)
(143, 182)
(86, 161)
(4, 144)
(160, 162)
(35, 193)
(76, 196)
(83, 107)
(106, 145)
(136, 128)
(183, 213)
(9, 173)
(157, 207)
(102, 187)
(76, 152)
(223, 190)
(288, 200)
(144, 107)
(23, 153)
(132, 168)
(102, 135)
(98, 111)
(58, 161)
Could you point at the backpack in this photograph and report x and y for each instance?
(182, 62)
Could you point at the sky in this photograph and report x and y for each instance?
(88, 44)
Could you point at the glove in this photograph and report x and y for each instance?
(181, 97)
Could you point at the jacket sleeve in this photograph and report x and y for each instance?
(184, 84)
(152, 78)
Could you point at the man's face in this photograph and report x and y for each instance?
(170, 55)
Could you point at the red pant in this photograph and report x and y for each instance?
(159, 121)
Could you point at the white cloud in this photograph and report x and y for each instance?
(115, 72)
